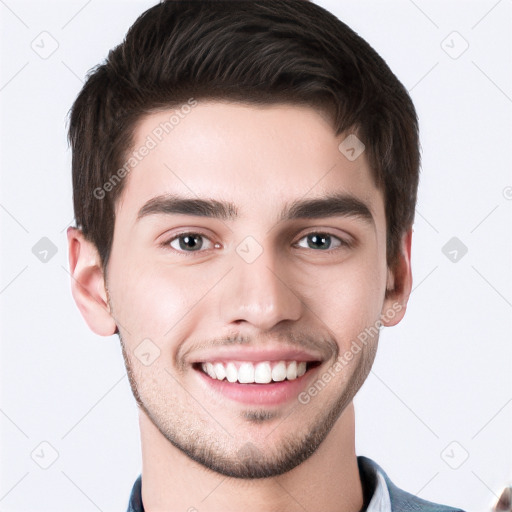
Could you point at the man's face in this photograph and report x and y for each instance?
(254, 290)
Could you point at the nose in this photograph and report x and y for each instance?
(260, 291)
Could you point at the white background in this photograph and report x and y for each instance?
(436, 411)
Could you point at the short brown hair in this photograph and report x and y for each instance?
(260, 52)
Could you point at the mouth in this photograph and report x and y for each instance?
(248, 372)
(263, 383)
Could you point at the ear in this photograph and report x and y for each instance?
(399, 284)
(88, 284)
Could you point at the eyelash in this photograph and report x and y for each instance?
(343, 244)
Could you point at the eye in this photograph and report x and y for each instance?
(189, 242)
(322, 241)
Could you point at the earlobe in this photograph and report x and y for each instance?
(399, 284)
(88, 284)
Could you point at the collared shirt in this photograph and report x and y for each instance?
(380, 493)
(380, 501)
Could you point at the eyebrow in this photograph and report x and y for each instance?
(331, 205)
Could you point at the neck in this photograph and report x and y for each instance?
(328, 480)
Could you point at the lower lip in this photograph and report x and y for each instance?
(274, 393)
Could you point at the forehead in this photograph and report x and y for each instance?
(257, 157)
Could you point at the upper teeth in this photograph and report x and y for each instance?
(261, 373)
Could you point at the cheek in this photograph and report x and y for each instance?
(155, 301)
(347, 297)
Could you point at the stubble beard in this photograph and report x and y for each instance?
(250, 462)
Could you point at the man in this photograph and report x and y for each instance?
(245, 178)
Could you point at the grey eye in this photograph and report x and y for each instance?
(322, 241)
(189, 242)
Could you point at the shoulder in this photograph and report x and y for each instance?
(402, 501)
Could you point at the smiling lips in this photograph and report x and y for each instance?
(246, 372)
(268, 377)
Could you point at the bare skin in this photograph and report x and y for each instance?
(197, 303)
